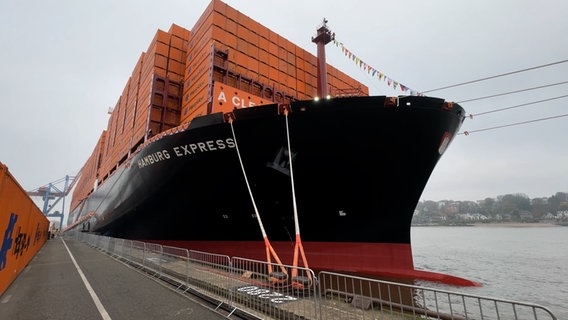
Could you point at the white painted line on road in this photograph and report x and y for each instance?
(94, 296)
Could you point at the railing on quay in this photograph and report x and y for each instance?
(268, 291)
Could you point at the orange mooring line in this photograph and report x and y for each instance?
(270, 252)
(298, 247)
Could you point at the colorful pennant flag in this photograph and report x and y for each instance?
(361, 64)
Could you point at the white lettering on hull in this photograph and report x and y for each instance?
(186, 150)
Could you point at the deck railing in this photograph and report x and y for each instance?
(270, 291)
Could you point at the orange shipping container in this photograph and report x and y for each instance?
(199, 72)
(179, 43)
(226, 10)
(218, 19)
(198, 55)
(176, 68)
(179, 32)
(231, 26)
(196, 86)
(200, 29)
(176, 54)
(199, 100)
(23, 228)
(196, 112)
(162, 39)
(198, 90)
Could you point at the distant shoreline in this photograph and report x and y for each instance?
(495, 225)
(516, 225)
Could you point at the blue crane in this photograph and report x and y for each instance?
(54, 192)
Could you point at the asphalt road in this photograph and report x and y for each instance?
(52, 287)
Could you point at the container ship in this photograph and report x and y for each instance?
(219, 142)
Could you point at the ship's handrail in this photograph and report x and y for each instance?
(246, 284)
(181, 128)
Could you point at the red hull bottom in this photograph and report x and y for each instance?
(364, 259)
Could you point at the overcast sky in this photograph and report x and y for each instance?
(64, 63)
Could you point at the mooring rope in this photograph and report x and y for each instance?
(298, 248)
(269, 250)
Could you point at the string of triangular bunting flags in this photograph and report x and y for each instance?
(375, 72)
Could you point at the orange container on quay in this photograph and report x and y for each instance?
(23, 227)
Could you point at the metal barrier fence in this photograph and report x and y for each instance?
(371, 299)
(271, 291)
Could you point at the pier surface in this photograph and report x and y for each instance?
(70, 280)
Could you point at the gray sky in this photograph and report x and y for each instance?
(64, 63)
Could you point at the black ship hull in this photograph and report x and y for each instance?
(359, 168)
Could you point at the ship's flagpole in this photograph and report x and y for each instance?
(298, 282)
(270, 252)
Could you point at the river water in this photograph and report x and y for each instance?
(528, 264)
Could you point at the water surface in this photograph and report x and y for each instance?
(528, 264)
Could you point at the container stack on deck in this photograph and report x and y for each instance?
(150, 101)
(90, 171)
(227, 61)
(229, 47)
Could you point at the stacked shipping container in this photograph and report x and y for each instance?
(150, 100)
(90, 172)
(256, 58)
(174, 80)
(149, 104)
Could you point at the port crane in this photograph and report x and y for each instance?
(54, 191)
